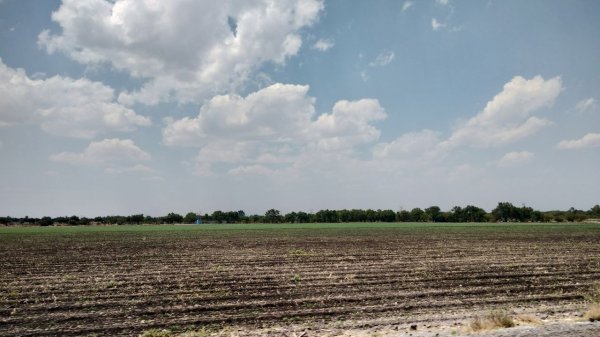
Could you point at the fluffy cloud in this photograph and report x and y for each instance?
(436, 25)
(586, 105)
(590, 140)
(272, 114)
(383, 59)
(347, 125)
(516, 158)
(406, 5)
(506, 118)
(323, 44)
(410, 146)
(105, 152)
(185, 50)
(442, 2)
(64, 106)
(273, 126)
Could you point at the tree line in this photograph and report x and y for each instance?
(504, 212)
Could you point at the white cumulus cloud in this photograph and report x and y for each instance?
(406, 5)
(104, 152)
(273, 126)
(272, 114)
(323, 44)
(590, 140)
(506, 118)
(63, 106)
(183, 50)
(512, 159)
(348, 125)
(436, 25)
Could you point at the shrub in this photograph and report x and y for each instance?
(494, 320)
(593, 313)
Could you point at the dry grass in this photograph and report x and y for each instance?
(494, 320)
(593, 294)
(157, 333)
(528, 319)
(593, 313)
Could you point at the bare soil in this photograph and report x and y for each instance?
(293, 282)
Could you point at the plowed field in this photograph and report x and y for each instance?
(124, 280)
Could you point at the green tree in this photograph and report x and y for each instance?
(434, 214)
(172, 218)
(46, 221)
(272, 216)
(136, 218)
(417, 215)
(505, 211)
(190, 218)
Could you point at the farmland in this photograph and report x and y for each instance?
(123, 280)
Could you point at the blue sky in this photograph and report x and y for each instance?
(122, 107)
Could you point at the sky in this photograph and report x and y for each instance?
(144, 106)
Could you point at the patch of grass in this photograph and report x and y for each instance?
(494, 320)
(296, 279)
(300, 252)
(528, 319)
(157, 333)
(112, 284)
(593, 294)
(197, 333)
(593, 313)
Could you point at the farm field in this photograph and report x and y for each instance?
(124, 280)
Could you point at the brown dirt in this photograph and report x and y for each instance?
(244, 281)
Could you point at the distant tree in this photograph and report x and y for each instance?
(232, 217)
(326, 215)
(505, 211)
(303, 217)
(46, 221)
(473, 214)
(434, 214)
(190, 217)
(73, 220)
(172, 218)
(417, 215)
(290, 217)
(386, 215)
(594, 211)
(272, 216)
(135, 219)
(403, 216)
(218, 216)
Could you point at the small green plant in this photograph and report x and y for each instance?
(300, 252)
(112, 284)
(157, 333)
(296, 279)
